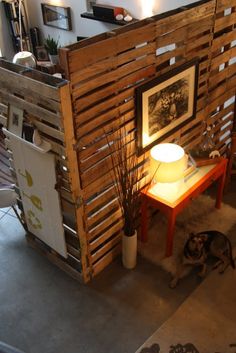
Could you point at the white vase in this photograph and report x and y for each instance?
(54, 59)
(129, 251)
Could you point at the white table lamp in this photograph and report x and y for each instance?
(168, 163)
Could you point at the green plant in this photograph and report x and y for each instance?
(51, 45)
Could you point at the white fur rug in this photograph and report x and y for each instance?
(199, 215)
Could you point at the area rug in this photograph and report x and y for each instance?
(200, 215)
(204, 323)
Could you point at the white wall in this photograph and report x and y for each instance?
(83, 27)
(80, 26)
(146, 8)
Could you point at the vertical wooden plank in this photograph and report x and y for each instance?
(77, 193)
(64, 61)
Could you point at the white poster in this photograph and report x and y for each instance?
(37, 179)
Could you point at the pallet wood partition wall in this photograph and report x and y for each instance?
(104, 72)
(45, 101)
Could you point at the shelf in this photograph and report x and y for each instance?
(90, 16)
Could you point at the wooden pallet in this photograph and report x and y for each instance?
(104, 72)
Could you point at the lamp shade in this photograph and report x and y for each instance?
(25, 58)
(168, 162)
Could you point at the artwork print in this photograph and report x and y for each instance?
(165, 104)
(168, 105)
(56, 16)
(15, 120)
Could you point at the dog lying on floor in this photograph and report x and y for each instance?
(199, 247)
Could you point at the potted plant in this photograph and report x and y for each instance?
(126, 176)
(52, 47)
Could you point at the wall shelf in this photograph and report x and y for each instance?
(91, 16)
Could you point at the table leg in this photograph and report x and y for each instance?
(144, 220)
(220, 188)
(170, 233)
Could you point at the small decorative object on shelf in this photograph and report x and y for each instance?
(111, 14)
(206, 149)
(128, 18)
(207, 145)
(107, 12)
(41, 53)
(52, 47)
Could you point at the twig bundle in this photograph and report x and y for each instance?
(126, 177)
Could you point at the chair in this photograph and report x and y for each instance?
(8, 198)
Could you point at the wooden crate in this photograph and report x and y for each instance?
(103, 73)
(45, 101)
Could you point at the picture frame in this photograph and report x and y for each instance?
(165, 104)
(15, 120)
(56, 16)
(41, 53)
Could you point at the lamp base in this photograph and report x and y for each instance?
(168, 191)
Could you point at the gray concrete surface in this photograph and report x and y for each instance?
(207, 319)
(42, 310)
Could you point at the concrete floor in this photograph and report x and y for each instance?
(42, 310)
(206, 321)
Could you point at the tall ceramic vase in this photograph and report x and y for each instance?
(129, 251)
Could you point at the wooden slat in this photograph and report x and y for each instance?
(31, 108)
(224, 4)
(223, 40)
(106, 260)
(178, 20)
(37, 87)
(113, 76)
(3, 120)
(225, 22)
(74, 177)
(96, 231)
(106, 248)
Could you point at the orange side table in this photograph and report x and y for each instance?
(172, 205)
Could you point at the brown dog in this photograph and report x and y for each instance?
(197, 249)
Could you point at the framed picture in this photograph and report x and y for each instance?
(56, 16)
(165, 104)
(15, 120)
(41, 53)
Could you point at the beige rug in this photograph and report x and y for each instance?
(200, 215)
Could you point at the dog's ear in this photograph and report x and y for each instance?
(204, 237)
(191, 235)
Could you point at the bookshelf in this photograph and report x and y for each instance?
(11, 9)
